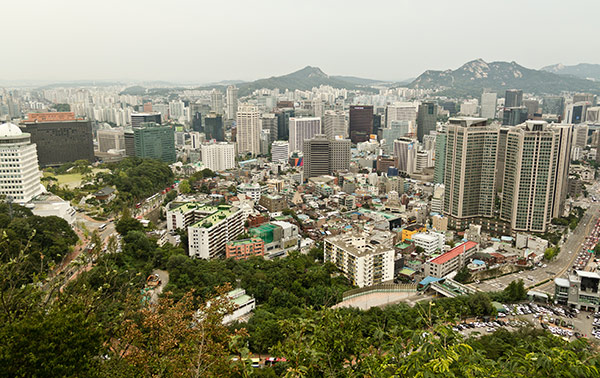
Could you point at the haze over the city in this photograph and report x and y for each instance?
(200, 42)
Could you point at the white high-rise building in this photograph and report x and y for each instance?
(334, 124)
(405, 149)
(176, 109)
(488, 105)
(19, 171)
(248, 129)
(401, 111)
(216, 101)
(232, 101)
(280, 150)
(218, 156)
(302, 129)
(470, 107)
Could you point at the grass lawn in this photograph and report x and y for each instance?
(72, 180)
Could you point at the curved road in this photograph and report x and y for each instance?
(556, 268)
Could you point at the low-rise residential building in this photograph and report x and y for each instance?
(279, 237)
(273, 202)
(410, 230)
(429, 241)
(243, 304)
(253, 191)
(245, 248)
(580, 290)
(47, 204)
(365, 258)
(450, 261)
(216, 225)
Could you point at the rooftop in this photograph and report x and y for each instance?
(214, 215)
(10, 130)
(454, 252)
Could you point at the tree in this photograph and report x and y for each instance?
(126, 224)
(185, 187)
(176, 338)
(463, 275)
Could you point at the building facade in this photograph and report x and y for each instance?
(365, 258)
(218, 156)
(60, 137)
(214, 227)
(248, 130)
(19, 172)
(302, 129)
(426, 119)
(360, 123)
(155, 141)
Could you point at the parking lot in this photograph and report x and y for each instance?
(560, 321)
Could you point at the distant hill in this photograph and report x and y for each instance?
(581, 70)
(304, 79)
(472, 77)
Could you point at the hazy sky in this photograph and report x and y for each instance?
(202, 41)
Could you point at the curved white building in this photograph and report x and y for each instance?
(19, 171)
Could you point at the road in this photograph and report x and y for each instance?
(556, 268)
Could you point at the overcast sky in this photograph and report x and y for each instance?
(203, 41)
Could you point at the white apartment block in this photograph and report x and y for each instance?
(218, 156)
(302, 129)
(214, 226)
(365, 258)
(253, 191)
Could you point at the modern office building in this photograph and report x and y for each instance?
(470, 167)
(60, 137)
(302, 129)
(334, 124)
(214, 226)
(176, 109)
(248, 130)
(440, 157)
(575, 113)
(553, 105)
(360, 122)
(514, 116)
(138, 118)
(584, 97)
(532, 106)
(129, 139)
(213, 127)
(232, 101)
(219, 156)
(19, 171)
(110, 139)
(405, 151)
(283, 122)
(401, 111)
(323, 156)
(426, 119)
(197, 124)
(489, 101)
(268, 121)
(536, 154)
(280, 151)
(580, 135)
(155, 141)
(513, 98)
(365, 258)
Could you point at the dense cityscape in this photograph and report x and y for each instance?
(303, 225)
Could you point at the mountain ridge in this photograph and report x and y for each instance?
(472, 77)
(581, 70)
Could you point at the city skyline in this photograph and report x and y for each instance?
(199, 48)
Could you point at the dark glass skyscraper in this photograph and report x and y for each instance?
(513, 98)
(139, 118)
(426, 119)
(213, 127)
(361, 122)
